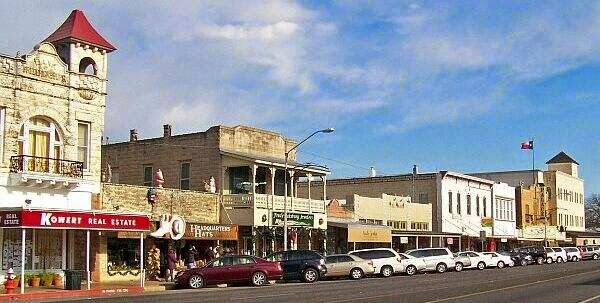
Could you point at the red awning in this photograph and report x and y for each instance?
(69, 219)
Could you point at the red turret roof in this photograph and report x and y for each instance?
(78, 28)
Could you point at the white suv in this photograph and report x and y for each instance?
(551, 255)
(386, 261)
(436, 259)
(573, 254)
(561, 254)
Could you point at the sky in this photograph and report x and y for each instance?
(446, 85)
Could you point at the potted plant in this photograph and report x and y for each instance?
(57, 281)
(35, 280)
(47, 279)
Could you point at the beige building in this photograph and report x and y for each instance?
(52, 104)
(248, 168)
(563, 188)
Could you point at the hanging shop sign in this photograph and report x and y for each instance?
(211, 232)
(370, 234)
(172, 225)
(403, 240)
(294, 219)
(487, 222)
(36, 218)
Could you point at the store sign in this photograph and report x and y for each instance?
(211, 232)
(450, 241)
(487, 222)
(172, 225)
(294, 219)
(73, 220)
(403, 240)
(369, 234)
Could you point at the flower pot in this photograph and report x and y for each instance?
(35, 282)
(57, 281)
(47, 282)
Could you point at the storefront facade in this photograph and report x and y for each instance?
(38, 239)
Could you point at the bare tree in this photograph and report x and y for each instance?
(592, 211)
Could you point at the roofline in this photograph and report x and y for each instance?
(468, 177)
(507, 171)
(376, 177)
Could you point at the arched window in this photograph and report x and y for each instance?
(40, 139)
(87, 66)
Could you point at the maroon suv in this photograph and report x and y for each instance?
(231, 270)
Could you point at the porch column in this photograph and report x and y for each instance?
(309, 178)
(310, 239)
(142, 271)
(324, 178)
(270, 203)
(291, 185)
(87, 258)
(430, 241)
(417, 243)
(254, 167)
(23, 260)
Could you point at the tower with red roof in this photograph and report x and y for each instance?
(80, 45)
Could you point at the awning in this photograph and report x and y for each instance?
(272, 161)
(69, 219)
(360, 232)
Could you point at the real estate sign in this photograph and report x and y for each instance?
(294, 219)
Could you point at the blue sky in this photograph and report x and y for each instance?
(451, 85)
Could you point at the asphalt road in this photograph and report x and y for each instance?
(567, 282)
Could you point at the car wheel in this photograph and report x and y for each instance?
(196, 282)
(575, 259)
(481, 265)
(441, 268)
(549, 260)
(559, 260)
(356, 274)
(540, 260)
(500, 264)
(595, 257)
(387, 271)
(523, 262)
(459, 267)
(411, 270)
(259, 278)
(310, 275)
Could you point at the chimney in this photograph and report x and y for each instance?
(372, 172)
(133, 135)
(415, 170)
(167, 130)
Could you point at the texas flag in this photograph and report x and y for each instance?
(527, 145)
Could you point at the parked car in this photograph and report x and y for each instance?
(561, 254)
(537, 253)
(478, 260)
(348, 266)
(499, 260)
(387, 261)
(573, 254)
(304, 265)
(411, 264)
(551, 255)
(589, 252)
(436, 259)
(231, 269)
(518, 257)
(461, 262)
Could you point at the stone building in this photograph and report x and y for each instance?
(459, 203)
(52, 104)
(247, 166)
(562, 190)
(359, 218)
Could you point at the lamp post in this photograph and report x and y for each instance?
(285, 189)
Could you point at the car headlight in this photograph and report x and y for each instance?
(528, 257)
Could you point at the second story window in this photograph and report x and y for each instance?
(468, 204)
(40, 142)
(450, 202)
(184, 180)
(148, 178)
(83, 143)
(458, 204)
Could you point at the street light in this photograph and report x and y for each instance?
(285, 189)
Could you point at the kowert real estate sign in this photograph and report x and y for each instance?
(59, 219)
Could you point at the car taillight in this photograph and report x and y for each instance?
(322, 261)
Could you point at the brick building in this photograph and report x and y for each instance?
(247, 166)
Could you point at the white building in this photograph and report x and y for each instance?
(504, 216)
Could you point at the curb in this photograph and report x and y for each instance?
(49, 295)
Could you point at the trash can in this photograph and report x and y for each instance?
(73, 279)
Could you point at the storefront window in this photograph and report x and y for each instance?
(123, 254)
(48, 249)
(11, 249)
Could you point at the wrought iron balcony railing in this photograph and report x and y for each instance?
(61, 167)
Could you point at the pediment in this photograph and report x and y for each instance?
(44, 64)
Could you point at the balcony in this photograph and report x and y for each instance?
(45, 172)
(274, 203)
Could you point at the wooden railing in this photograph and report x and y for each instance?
(274, 202)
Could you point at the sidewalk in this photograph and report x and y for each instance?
(98, 290)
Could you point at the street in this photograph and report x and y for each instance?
(567, 282)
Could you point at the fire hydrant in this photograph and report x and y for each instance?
(10, 283)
